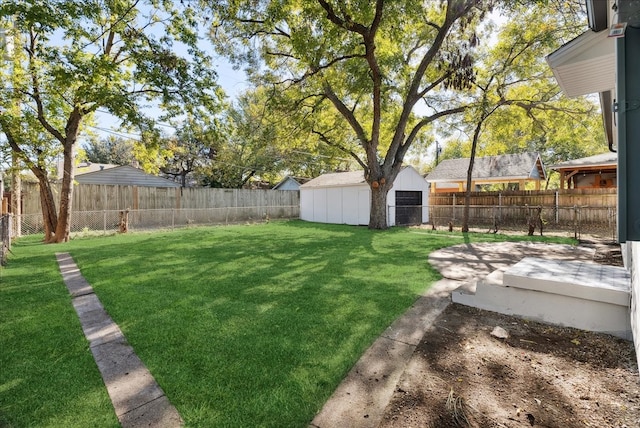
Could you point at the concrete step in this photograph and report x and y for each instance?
(576, 294)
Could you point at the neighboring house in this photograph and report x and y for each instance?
(606, 60)
(514, 170)
(124, 175)
(290, 183)
(82, 167)
(345, 198)
(593, 172)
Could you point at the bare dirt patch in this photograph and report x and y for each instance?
(542, 376)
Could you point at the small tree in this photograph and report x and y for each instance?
(513, 74)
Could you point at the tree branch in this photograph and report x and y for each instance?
(354, 155)
(346, 113)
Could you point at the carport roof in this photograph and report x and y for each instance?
(603, 159)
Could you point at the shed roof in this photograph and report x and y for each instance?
(124, 175)
(335, 179)
(603, 159)
(519, 166)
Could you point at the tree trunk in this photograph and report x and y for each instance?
(378, 215)
(16, 195)
(467, 193)
(63, 228)
(49, 217)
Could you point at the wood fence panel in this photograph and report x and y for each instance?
(562, 207)
(100, 197)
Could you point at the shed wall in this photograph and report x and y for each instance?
(338, 205)
(350, 204)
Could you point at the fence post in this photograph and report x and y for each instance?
(173, 218)
(557, 208)
(575, 222)
(453, 209)
(500, 205)
(104, 221)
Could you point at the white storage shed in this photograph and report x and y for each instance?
(345, 198)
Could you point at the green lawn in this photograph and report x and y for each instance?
(240, 325)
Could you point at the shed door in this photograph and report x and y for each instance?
(408, 207)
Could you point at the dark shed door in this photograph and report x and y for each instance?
(408, 207)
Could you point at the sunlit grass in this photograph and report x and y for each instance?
(240, 325)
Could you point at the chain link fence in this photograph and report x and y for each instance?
(574, 221)
(111, 221)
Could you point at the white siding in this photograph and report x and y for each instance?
(306, 204)
(352, 206)
(364, 206)
(334, 205)
(320, 205)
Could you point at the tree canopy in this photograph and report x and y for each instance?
(372, 63)
(72, 58)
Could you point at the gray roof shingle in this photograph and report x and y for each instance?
(603, 159)
(514, 166)
(350, 178)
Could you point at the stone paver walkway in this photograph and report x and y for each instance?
(137, 399)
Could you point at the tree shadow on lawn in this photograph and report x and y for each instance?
(243, 316)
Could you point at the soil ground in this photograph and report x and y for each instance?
(461, 375)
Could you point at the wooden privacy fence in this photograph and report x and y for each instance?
(98, 207)
(582, 210)
(98, 197)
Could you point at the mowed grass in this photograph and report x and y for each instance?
(240, 325)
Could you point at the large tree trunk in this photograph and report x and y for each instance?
(63, 228)
(378, 214)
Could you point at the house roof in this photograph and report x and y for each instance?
(83, 167)
(124, 175)
(520, 166)
(351, 178)
(295, 180)
(607, 159)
